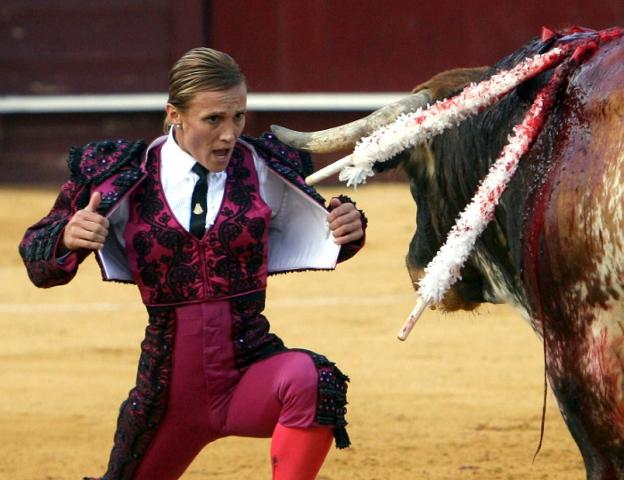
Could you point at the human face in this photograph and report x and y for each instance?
(208, 128)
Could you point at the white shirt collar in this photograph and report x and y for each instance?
(178, 163)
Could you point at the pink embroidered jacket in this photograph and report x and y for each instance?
(117, 169)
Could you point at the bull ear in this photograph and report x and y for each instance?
(451, 82)
(344, 137)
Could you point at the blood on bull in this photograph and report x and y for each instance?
(553, 245)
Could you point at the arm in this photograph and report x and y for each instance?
(347, 223)
(50, 252)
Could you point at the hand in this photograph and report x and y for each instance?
(86, 229)
(345, 222)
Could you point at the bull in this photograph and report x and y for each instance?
(554, 247)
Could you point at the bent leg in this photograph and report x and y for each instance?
(282, 388)
(278, 396)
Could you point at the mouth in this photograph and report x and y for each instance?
(222, 154)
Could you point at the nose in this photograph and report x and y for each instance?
(229, 132)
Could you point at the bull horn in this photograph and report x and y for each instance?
(344, 137)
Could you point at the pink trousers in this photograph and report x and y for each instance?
(210, 398)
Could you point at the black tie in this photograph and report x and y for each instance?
(198, 202)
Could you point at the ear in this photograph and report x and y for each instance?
(173, 116)
(449, 83)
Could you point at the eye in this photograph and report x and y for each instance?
(212, 119)
(240, 116)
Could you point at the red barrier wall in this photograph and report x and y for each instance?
(352, 45)
(116, 46)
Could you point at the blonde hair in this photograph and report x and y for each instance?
(201, 69)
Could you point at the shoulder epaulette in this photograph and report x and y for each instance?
(292, 164)
(97, 161)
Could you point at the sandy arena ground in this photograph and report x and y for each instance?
(461, 399)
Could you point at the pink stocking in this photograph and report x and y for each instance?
(298, 453)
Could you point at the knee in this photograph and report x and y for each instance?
(299, 383)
